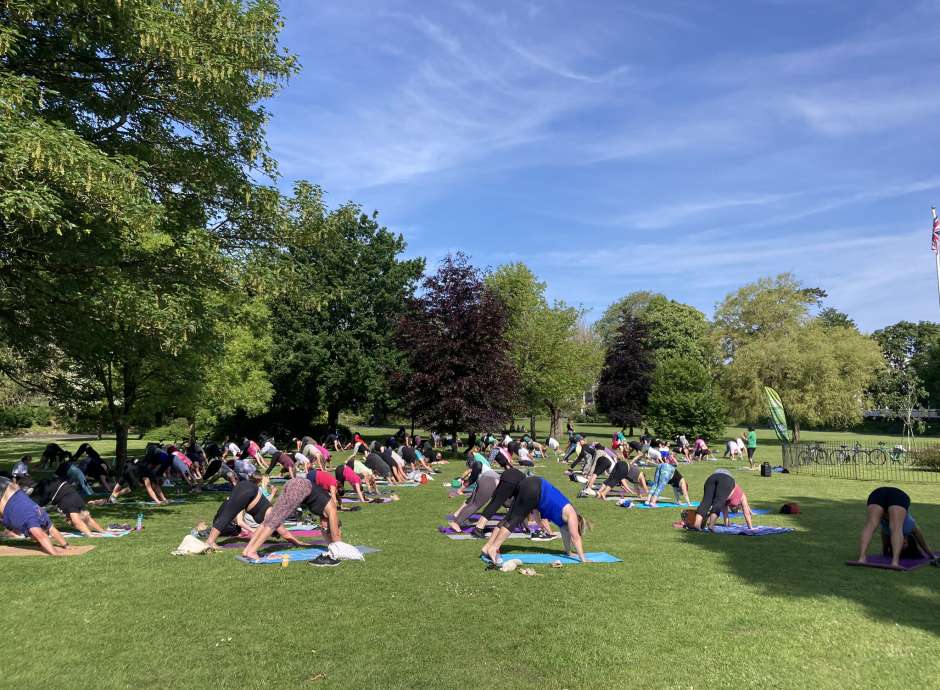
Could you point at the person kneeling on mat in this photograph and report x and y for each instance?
(299, 492)
(21, 516)
(721, 496)
(63, 496)
(890, 508)
(538, 494)
(246, 499)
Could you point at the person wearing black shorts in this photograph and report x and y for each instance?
(889, 508)
(63, 496)
(624, 474)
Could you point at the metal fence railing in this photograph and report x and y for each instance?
(898, 462)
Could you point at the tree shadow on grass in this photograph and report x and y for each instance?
(810, 563)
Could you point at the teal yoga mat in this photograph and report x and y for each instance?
(539, 558)
(293, 555)
(662, 504)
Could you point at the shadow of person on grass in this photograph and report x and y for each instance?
(810, 563)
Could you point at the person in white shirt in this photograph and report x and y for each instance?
(21, 468)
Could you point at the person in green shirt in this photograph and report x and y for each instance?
(751, 445)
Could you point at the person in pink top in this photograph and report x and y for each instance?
(325, 481)
(344, 474)
(722, 496)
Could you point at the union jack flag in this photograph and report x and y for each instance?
(935, 238)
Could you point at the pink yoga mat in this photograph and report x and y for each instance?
(880, 561)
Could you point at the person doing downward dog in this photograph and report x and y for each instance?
(299, 492)
(664, 473)
(890, 508)
(343, 474)
(22, 516)
(486, 481)
(722, 495)
(505, 491)
(624, 474)
(537, 494)
(246, 499)
(63, 496)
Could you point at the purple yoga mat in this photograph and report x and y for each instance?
(477, 516)
(467, 530)
(880, 561)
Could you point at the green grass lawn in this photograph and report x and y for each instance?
(682, 611)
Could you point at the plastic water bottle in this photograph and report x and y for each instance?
(285, 559)
(140, 521)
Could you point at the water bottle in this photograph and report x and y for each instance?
(140, 521)
(285, 559)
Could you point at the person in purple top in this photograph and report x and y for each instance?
(538, 494)
(21, 516)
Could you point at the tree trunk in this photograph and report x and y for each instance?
(120, 443)
(192, 431)
(796, 431)
(412, 426)
(332, 417)
(630, 435)
(553, 421)
(532, 426)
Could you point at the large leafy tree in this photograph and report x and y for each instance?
(130, 137)
(634, 304)
(627, 375)
(765, 306)
(821, 374)
(911, 376)
(453, 335)
(683, 400)
(344, 286)
(555, 363)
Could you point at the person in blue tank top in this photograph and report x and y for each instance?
(538, 494)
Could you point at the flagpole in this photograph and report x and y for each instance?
(936, 254)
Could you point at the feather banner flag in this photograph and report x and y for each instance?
(778, 417)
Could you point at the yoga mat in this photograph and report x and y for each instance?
(761, 531)
(539, 558)
(465, 537)
(151, 504)
(98, 535)
(292, 526)
(297, 555)
(884, 562)
(755, 511)
(377, 500)
(240, 542)
(443, 529)
(661, 504)
(34, 550)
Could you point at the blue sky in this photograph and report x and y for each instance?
(680, 146)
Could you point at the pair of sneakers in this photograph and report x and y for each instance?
(324, 560)
(542, 535)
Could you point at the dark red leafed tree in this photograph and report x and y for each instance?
(461, 377)
(627, 376)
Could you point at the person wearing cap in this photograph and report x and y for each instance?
(538, 494)
(21, 516)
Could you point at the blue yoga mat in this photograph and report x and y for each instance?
(754, 511)
(761, 531)
(276, 557)
(98, 535)
(537, 558)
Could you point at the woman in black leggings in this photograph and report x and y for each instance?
(246, 498)
(505, 491)
(720, 493)
(890, 508)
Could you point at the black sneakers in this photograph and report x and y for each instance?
(324, 561)
(542, 535)
(478, 533)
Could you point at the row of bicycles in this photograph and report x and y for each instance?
(818, 454)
